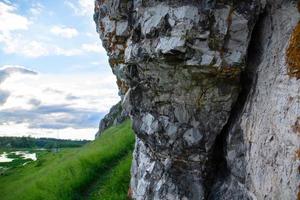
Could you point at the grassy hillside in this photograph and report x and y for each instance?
(95, 171)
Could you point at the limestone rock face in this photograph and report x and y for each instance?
(115, 116)
(263, 142)
(214, 110)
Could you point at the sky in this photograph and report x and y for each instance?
(55, 80)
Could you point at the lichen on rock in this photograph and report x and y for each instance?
(293, 53)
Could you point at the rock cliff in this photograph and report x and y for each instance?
(115, 116)
(212, 87)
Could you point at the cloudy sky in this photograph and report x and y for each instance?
(54, 76)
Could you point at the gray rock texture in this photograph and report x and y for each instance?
(115, 116)
(206, 83)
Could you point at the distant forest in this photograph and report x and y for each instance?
(46, 143)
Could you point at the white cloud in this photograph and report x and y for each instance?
(7, 1)
(34, 49)
(10, 21)
(93, 47)
(36, 9)
(7, 70)
(87, 6)
(83, 86)
(45, 104)
(53, 88)
(17, 44)
(16, 37)
(29, 48)
(67, 52)
(64, 32)
(50, 102)
(81, 7)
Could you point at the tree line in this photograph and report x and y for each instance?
(46, 143)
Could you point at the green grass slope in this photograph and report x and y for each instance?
(114, 185)
(97, 170)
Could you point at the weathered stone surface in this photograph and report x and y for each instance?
(195, 85)
(262, 144)
(115, 116)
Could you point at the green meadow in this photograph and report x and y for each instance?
(98, 170)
